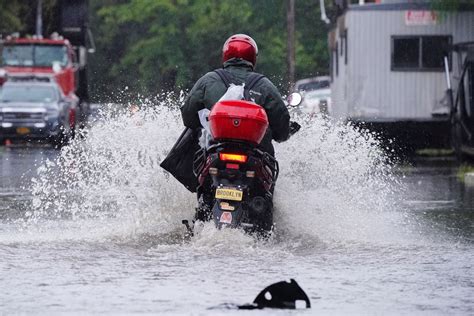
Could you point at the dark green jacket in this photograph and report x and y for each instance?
(210, 88)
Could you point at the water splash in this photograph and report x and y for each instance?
(335, 184)
(114, 173)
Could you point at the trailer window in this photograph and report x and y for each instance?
(406, 52)
(419, 53)
(434, 48)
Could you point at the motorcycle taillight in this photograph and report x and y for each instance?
(233, 157)
(232, 166)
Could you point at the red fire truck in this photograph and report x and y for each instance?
(61, 58)
(52, 57)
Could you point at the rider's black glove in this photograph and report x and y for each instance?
(294, 127)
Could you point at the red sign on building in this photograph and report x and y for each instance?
(421, 18)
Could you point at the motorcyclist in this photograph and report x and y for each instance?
(239, 57)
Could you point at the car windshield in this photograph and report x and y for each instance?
(314, 85)
(34, 55)
(28, 94)
(318, 94)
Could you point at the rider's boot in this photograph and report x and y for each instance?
(204, 209)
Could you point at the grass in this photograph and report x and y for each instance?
(462, 170)
(434, 152)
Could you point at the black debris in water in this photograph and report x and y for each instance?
(283, 295)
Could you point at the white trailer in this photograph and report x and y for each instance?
(387, 61)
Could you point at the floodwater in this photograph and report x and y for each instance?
(95, 228)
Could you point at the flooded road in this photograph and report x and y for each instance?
(108, 239)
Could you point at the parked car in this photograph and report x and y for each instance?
(315, 83)
(36, 110)
(315, 93)
(316, 101)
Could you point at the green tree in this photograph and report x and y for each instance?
(20, 16)
(450, 5)
(155, 45)
(10, 18)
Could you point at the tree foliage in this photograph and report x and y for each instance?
(20, 16)
(10, 18)
(151, 46)
(450, 5)
(155, 45)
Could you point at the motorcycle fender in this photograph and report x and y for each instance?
(223, 217)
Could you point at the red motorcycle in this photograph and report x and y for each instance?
(236, 179)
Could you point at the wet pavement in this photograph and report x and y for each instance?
(414, 258)
(18, 165)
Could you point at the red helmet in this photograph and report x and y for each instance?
(240, 46)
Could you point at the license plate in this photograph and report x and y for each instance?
(22, 130)
(229, 194)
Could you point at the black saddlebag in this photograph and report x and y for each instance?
(179, 161)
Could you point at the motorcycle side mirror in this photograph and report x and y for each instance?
(294, 99)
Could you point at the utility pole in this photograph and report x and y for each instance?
(39, 19)
(290, 53)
